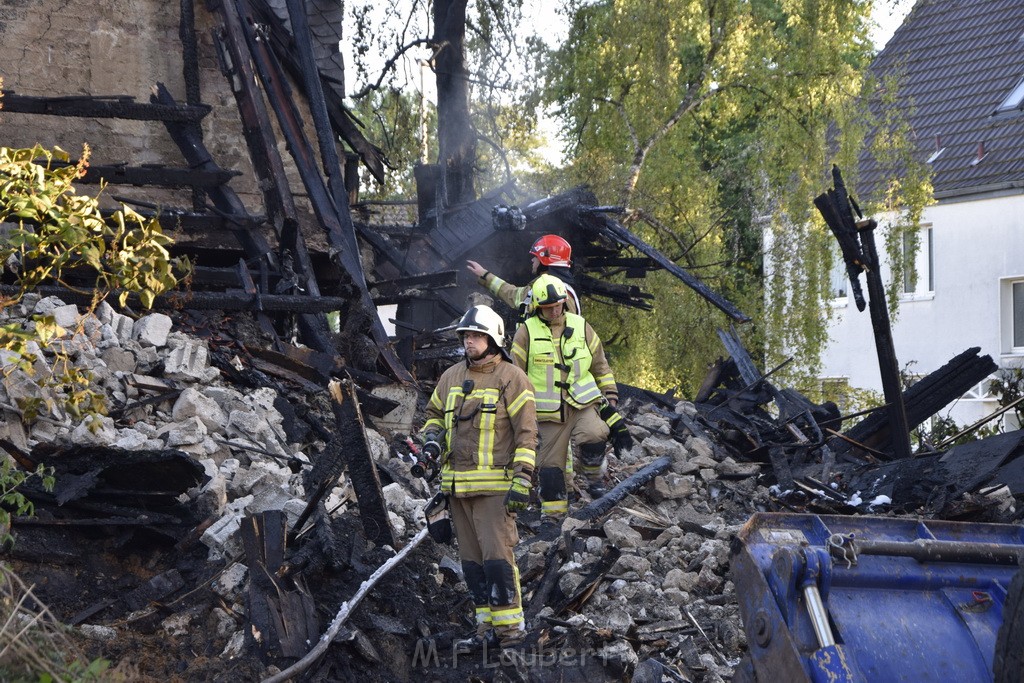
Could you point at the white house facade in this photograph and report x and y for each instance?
(969, 292)
(960, 64)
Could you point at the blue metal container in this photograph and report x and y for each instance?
(835, 598)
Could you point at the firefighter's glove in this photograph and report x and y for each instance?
(518, 496)
(621, 439)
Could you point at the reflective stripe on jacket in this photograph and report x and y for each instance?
(489, 432)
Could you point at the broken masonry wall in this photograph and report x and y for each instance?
(55, 48)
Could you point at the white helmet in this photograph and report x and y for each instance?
(484, 319)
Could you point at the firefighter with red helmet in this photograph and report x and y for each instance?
(550, 254)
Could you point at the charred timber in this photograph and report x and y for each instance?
(281, 37)
(103, 107)
(196, 222)
(331, 208)
(623, 236)
(190, 141)
(924, 399)
(623, 488)
(351, 438)
(161, 176)
(284, 616)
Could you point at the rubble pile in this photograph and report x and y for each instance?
(655, 568)
(162, 521)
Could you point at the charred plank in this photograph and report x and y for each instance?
(103, 107)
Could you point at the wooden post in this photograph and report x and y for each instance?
(887, 363)
(365, 482)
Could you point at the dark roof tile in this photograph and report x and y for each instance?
(956, 61)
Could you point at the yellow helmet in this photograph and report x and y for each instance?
(548, 290)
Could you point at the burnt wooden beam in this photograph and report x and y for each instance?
(236, 64)
(623, 236)
(342, 120)
(329, 203)
(284, 616)
(624, 295)
(163, 176)
(102, 107)
(190, 72)
(837, 208)
(351, 433)
(925, 398)
(189, 221)
(439, 280)
(632, 483)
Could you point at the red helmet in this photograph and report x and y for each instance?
(552, 250)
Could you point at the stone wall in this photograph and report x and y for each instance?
(115, 47)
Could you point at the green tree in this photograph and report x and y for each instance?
(714, 122)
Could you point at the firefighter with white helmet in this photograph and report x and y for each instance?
(483, 414)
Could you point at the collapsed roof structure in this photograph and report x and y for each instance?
(300, 249)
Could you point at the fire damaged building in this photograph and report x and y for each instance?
(251, 506)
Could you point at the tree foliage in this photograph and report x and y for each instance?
(714, 122)
(503, 100)
(57, 229)
(50, 230)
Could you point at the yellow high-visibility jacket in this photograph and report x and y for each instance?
(563, 367)
(489, 432)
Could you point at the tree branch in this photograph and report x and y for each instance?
(388, 65)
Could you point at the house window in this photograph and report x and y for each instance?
(918, 262)
(1013, 101)
(1011, 315)
(839, 282)
(1017, 295)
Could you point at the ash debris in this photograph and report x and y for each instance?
(146, 548)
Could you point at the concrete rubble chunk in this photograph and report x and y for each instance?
(46, 306)
(66, 316)
(659, 446)
(700, 447)
(131, 440)
(400, 419)
(220, 536)
(152, 330)
(118, 360)
(184, 433)
(122, 327)
(95, 430)
(680, 580)
(192, 403)
(229, 582)
(104, 312)
(97, 632)
(622, 535)
(653, 422)
(190, 362)
(670, 487)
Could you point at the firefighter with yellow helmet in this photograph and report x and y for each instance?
(575, 394)
(551, 255)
